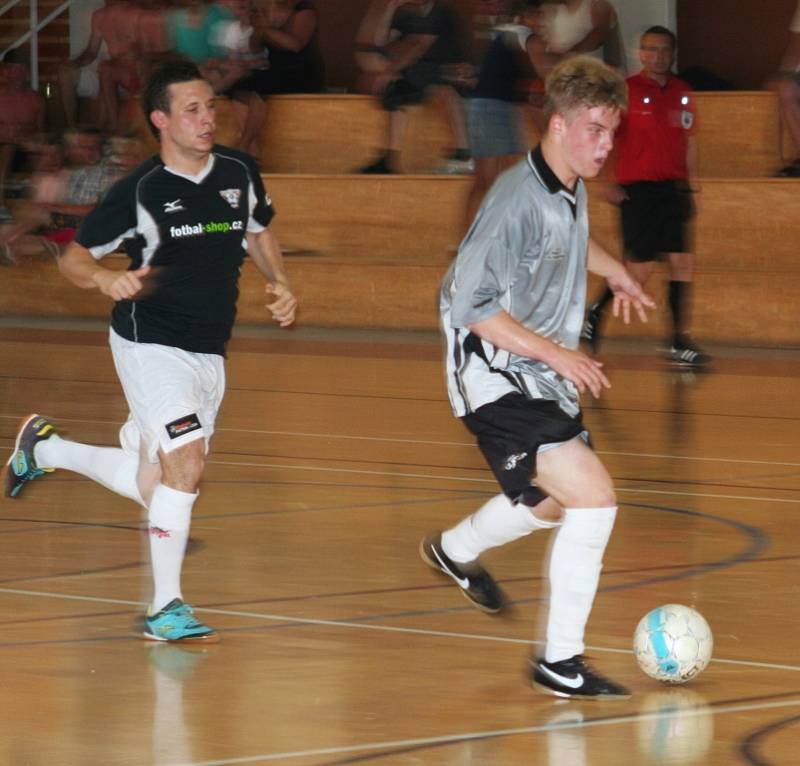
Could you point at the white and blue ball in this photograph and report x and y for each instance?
(673, 643)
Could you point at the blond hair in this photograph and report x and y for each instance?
(583, 82)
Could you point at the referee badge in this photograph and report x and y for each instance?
(232, 197)
(687, 119)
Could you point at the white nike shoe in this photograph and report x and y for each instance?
(574, 679)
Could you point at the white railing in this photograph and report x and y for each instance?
(34, 27)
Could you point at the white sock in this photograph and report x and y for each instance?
(576, 559)
(497, 522)
(112, 467)
(169, 519)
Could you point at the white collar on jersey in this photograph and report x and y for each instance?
(200, 177)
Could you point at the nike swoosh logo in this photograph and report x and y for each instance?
(463, 583)
(572, 683)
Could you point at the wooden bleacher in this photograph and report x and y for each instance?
(740, 134)
(371, 250)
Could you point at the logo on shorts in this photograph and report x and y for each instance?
(512, 461)
(232, 197)
(183, 426)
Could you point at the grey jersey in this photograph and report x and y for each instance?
(524, 254)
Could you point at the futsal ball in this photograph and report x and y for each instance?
(673, 643)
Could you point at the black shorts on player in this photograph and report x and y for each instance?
(654, 218)
(510, 432)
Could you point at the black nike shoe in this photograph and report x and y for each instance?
(477, 585)
(590, 333)
(574, 679)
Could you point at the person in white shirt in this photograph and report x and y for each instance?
(787, 86)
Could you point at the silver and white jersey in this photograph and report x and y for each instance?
(524, 254)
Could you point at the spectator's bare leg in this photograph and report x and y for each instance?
(454, 109)
(255, 114)
(486, 171)
(68, 83)
(108, 97)
(789, 97)
(7, 152)
(398, 124)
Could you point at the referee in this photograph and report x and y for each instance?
(655, 162)
(187, 218)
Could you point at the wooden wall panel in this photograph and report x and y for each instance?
(739, 134)
(739, 40)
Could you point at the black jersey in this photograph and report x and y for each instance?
(191, 231)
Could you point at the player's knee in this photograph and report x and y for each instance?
(601, 495)
(183, 468)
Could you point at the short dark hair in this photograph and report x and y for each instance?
(663, 31)
(155, 97)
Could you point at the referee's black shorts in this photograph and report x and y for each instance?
(655, 218)
(510, 432)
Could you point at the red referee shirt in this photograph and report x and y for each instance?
(653, 135)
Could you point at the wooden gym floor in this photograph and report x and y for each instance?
(334, 455)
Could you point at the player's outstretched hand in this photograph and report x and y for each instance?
(283, 304)
(628, 292)
(580, 369)
(120, 285)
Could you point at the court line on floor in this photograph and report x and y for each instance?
(397, 440)
(407, 475)
(300, 621)
(493, 733)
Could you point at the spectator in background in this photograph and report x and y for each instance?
(235, 75)
(511, 62)
(219, 38)
(47, 186)
(287, 29)
(57, 201)
(655, 170)
(194, 30)
(22, 115)
(410, 48)
(153, 41)
(88, 168)
(787, 86)
(584, 26)
(114, 39)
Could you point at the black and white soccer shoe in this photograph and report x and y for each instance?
(477, 585)
(574, 679)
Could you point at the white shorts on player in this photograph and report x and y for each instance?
(173, 395)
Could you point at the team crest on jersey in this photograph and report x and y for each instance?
(232, 197)
(687, 119)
